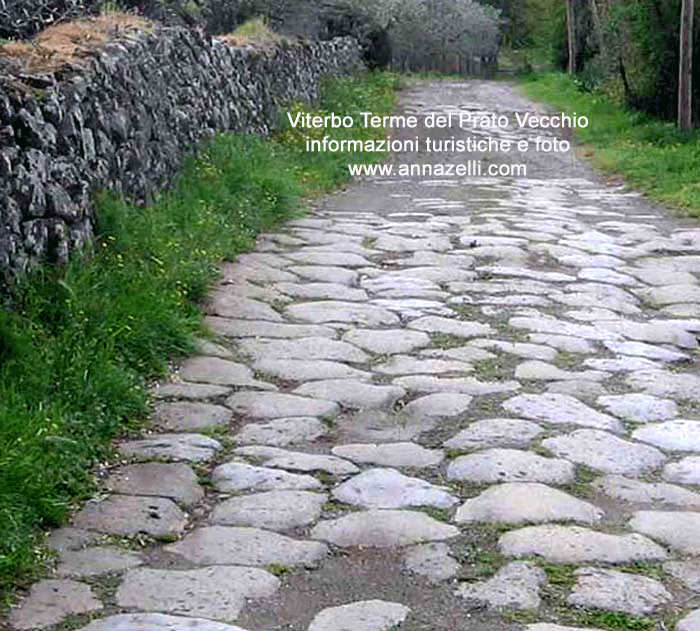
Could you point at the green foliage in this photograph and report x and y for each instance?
(78, 343)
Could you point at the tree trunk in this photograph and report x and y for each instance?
(571, 32)
(685, 67)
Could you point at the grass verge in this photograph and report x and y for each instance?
(79, 343)
(653, 155)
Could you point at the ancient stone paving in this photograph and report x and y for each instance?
(434, 405)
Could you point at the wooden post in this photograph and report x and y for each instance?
(571, 31)
(685, 67)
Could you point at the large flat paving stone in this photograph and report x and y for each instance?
(662, 383)
(402, 454)
(678, 435)
(364, 615)
(687, 572)
(520, 349)
(320, 311)
(440, 404)
(449, 326)
(188, 447)
(322, 257)
(96, 560)
(351, 393)
(537, 370)
(325, 273)
(495, 432)
(322, 291)
(298, 460)
(685, 471)
(308, 370)
(605, 452)
(515, 586)
(50, 601)
(235, 477)
(221, 372)
(271, 405)
(691, 622)
(282, 431)
(520, 502)
(680, 530)
(272, 510)
(657, 494)
(406, 365)
(189, 391)
(648, 351)
(159, 621)
(610, 590)
(638, 407)
(421, 384)
(174, 480)
(431, 560)
(306, 348)
(183, 416)
(576, 544)
(387, 488)
(228, 304)
(238, 328)
(510, 465)
(131, 515)
(386, 341)
(548, 626)
(218, 592)
(232, 545)
(382, 529)
(560, 409)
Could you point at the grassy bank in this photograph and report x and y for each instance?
(653, 155)
(78, 344)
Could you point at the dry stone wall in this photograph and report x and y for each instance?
(127, 120)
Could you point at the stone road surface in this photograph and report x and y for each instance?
(434, 405)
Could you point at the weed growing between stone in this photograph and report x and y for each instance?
(79, 343)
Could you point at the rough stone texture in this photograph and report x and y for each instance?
(685, 471)
(640, 408)
(96, 560)
(50, 601)
(233, 477)
(691, 622)
(183, 416)
(302, 370)
(298, 460)
(387, 341)
(514, 586)
(547, 626)
(654, 493)
(679, 435)
(130, 515)
(492, 432)
(365, 615)
(351, 393)
(575, 544)
(404, 454)
(174, 480)
(160, 621)
(445, 404)
(88, 127)
(215, 592)
(431, 560)
(387, 488)
(679, 530)
(282, 431)
(269, 405)
(688, 572)
(382, 529)
(605, 452)
(223, 545)
(189, 447)
(189, 391)
(221, 372)
(449, 326)
(510, 465)
(273, 510)
(515, 503)
(617, 591)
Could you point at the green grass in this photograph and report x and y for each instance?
(653, 155)
(79, 343)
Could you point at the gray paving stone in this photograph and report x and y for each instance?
(576, 544)
(539, 370)
(560, 409)
(160, 621)
(189, 391)
(233, 545)
(515, 586)
(319, 311)
(234, 477)
(649, 351)
(678, 435)
(308, 370)
(387, 488)
(282, 431)
(304, 348)
(553, 326)
(431, 560)
(406, 308)
(495, 432)
(213, 592)
(669, 294)
(638, 407)
(521, 349)
(182, 416)
(322, 290)
(50, 601)
(229, 305)
(449, 326)
(605, 452)
(234, 327)
(318, 257)
(402, 454)
(207, 347)
(516, 502)
(272, 510)
(466, 353)
(657, 494)
(298, 460)
(401, 285)
(382, 529)
(624, 363)
(69, 538)
(464, 385)
(188, 447)
(687, 572)
(578, 388)
(174, 480)
(365, 615)
(445, 404)
(271, 405)
(685, 471)
(598, 588)
(221, 372)
(547, 626)
(691, 622)
(605, 275)
(680, 530)
(387, 341)
(653, 332)
(325, 273)
(351, 393)
(96, 560)
(407, 365)
(131, 515)
(566, 343)
(510, 465)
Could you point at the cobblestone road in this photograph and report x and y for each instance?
(435, 405)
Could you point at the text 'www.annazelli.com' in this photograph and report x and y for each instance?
(469, 168)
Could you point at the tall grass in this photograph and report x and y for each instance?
(78, 343)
